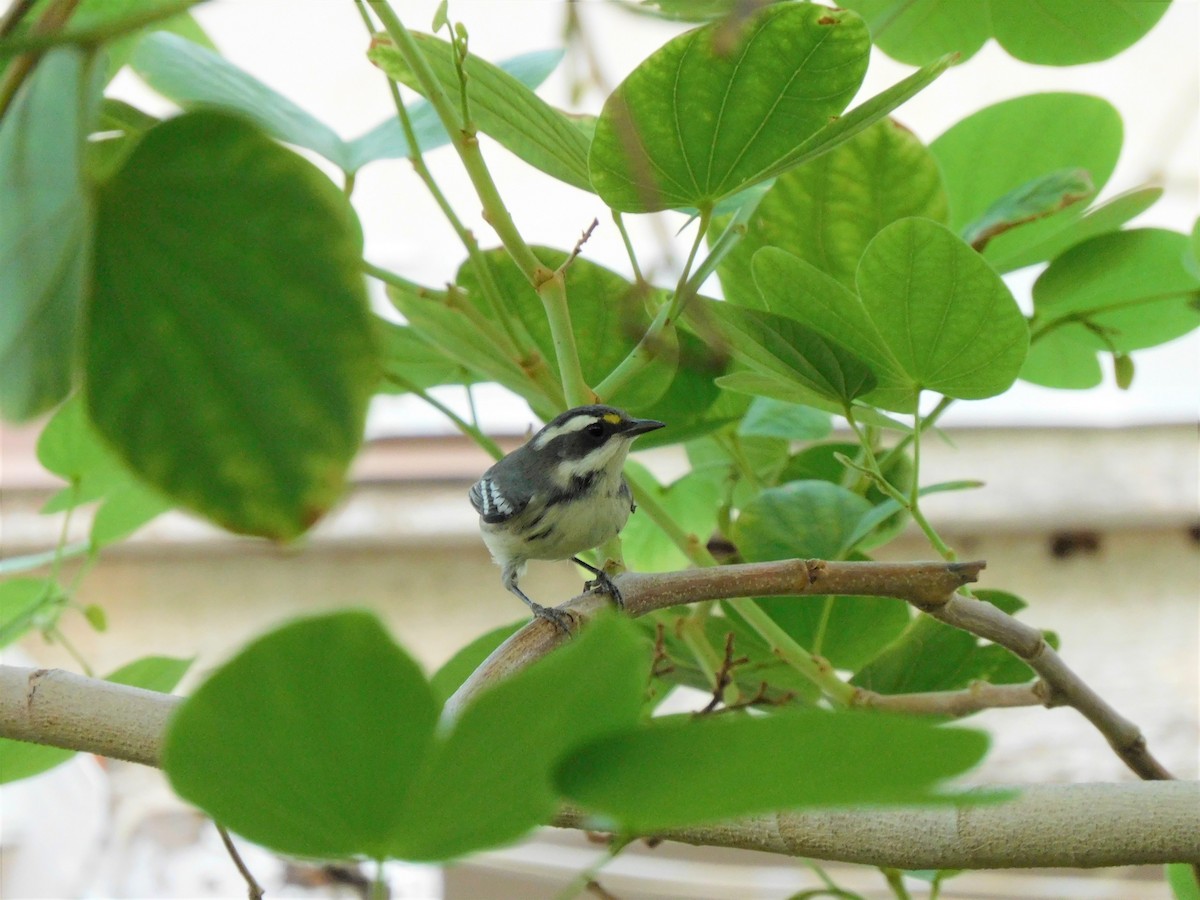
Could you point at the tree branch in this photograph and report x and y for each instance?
(1077, 825)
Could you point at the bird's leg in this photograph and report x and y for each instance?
(603, 580)
(562, 620)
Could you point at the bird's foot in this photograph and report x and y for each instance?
(562, 619)
(603, 581)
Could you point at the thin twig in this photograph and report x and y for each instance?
(253, 889)
(583, 239)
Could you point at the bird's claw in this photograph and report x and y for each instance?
(560, 618)
(604, 581)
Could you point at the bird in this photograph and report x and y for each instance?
(559, 494)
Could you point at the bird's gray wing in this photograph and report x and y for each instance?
(497, 498)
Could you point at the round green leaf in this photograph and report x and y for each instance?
(800, 519)
(919, 31)
(946, 316)
(711, 112)
(230, 352)
(1000, 148)
(307, 740)
(1133, 286)
(1062, 358)
(1070, 32)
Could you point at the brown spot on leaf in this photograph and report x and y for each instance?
(828, 20)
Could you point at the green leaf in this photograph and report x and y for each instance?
(602, 303)
(792, 287)
(692, 503)
(705, 117)
(96, 617)
(794, 421)
(1102, 219)
(944, 313)
(192, 75)
(20, 601)
(44, 232)
(500, 106)
(335, 685)
(458, 338)
(1063, 33)
(827, 211)
(1182, 880)
(800, 519)
(454, 672)
(490, 779)
(152, 673)
(692, 404)
(1009, 144)
(759, 384)
(1063, 358)
(126, 509)
(1036, 199)
(846, 631)
(1133, 286)
(861, 117)
(230, 353)
(918, 31)
(1192, 260)
(788, 350)
(680, 771)
(932, 656)
(1071, 31)
(407, 355)
(19, 759)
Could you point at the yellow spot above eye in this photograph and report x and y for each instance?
(612, 418)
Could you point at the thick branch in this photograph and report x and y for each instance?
(922, 584)
(1078, 825)
(1069, 825)
(62, 709)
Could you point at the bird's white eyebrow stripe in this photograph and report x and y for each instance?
(575, 424)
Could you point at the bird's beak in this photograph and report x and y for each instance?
(641, 426)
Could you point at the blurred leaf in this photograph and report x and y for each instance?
(946, 316)
(499, 105)
(1062, 358)
(45, 230)
(1181, 877)
(152, 673)
(1065, 33)
(336, 685)
(407, 355)
(230, 355)
(710, 113)
(192, 75)
(692, 404)
(1009, 144)
(827, 211)
(458, 339)
(96, 617)
(1072, 31)
(20, 601)
(490, 779)
(680, 771)
(126, 509)
(454, 672)
(1131, 285)
(1036, 199)
(793, 421)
